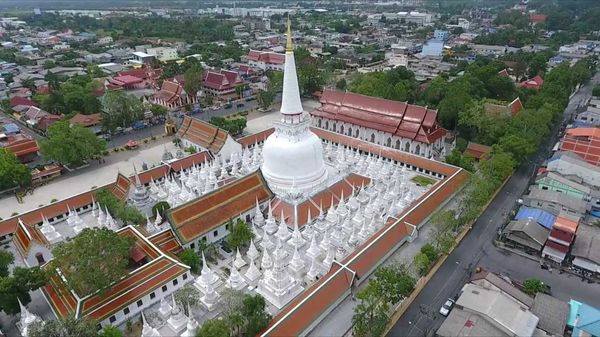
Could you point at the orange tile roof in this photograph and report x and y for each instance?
(565, 224)
(585, 142)
(255, 138)
(202, 215)
(191, 160)
(477, 151)
(121, 187)
(20, 145)
(166, 241)
(201, 133)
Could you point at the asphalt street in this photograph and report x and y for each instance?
(476, 249)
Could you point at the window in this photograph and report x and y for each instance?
(192, 245)
(152, 295)
(175, 282)
(216, 233)
(112, 319)
(185, 276)
(98, 327)
(126, 311)
(139, 303)
(164, 288)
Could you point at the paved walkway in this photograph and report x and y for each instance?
(95, 175)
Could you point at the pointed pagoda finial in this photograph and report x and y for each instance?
(289, 47)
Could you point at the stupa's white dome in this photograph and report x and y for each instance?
(293, 160)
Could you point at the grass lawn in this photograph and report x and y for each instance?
(423, 181)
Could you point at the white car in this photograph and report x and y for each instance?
(446, 307)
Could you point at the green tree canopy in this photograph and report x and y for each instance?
(93, 260)
(193, 80)
(71, 145)
(191, 258)
(533, 286)
(80, 327)
(120, 110)
(240, 234)
(119, 209)
(12, 172)
(18, 285)
(255, 313)
(265, 98)
(371, 314)
(213, 328)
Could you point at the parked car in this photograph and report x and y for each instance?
(239, 105)
(446, 307)
(138, 125)
(228, 105)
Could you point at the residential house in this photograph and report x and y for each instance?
(21, 104)
(221, 83)
(502, 108)
(163, 54)
(527, 234)
(584, 320)
(477, 151)
(589, 117)
(583, 141)
(92, 121)
(402, 126)
(24, 147)
(560, 238)
(552, 312)
(586, 249)
(541, 216)
(39, 119)
(570, 164)
(487, 312)
(553, 181)
(555, 202)
(492, 281)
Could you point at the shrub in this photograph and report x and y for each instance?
(160, 207)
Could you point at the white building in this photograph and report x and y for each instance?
(163, 54)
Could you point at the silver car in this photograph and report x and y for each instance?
(446, 307)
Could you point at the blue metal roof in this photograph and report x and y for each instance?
(584, 317)
(11, 128)
(542, 217)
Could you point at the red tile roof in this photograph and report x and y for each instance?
(255, 138)
(538, 18)
(266, 57)
(560, 235)
(477, 151)
(583, 141)
(397, 118)
(516, 106)
(169, 91)
(20, 144)
(18, 100)
(121, 187)
(166, 241)
(201, 133)
(200, 216)
(126, 80)
(86, 120)
(532, 83)
(187, 162)
(557, 246)
(222, 80)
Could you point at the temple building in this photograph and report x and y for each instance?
(326, 210)
(402, 126)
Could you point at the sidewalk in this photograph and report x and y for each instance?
(95, 175)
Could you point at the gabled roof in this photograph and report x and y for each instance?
(255, 138)
(583, 141)
(266, 57)
(169, 92)
(397, 118)
(159, 270)
(477, 151)
(166, 241)
(587, 244)
(532, 83)
(203, 134)
(121, 187)
(504, 286)
(222, 80)
(18, 100)
(198, 217)
(530, 227)
(552, 313)
(86, 120)
(542, 217)
(191, 160)
(20, 145)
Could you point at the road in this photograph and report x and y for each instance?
(476, 249)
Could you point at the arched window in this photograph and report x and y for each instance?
(319, 122)
(397, 147)
(407, 146)
(418, 149)
(327, 125)
(356, 133)
(342, 129)
(40, 258)
(372, 138)
(334, 127)
(349, 131)
(388, 143)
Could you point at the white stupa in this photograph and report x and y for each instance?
(26, 320)
(292, 154)
(178, 321)
(207, 277)
(147, 330)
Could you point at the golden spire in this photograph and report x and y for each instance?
(289, 46)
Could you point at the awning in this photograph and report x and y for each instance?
(553, 254)
(586, 264)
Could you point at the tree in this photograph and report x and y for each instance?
(233, 302)
(12, 172)
(189, 257)
(254, 310)
(371, 314)
(93, 260)
(240, 89)
(429, 250)
(240, 234)
(71, 145)
(596, 91)
(341, 84)
(161, 208)
(95, 71)
(111, 331)
(81, 327)
(538, 64)
(118, 208)
(275, 81)
(213, 328)
(421, 261)
(394, 283)
(533, 286)
(120, 110)
(18, 285)
(158, 110)
(187, 297)
(310, 79)
(192, 80)
(49, 64)
(265, 98)
(6, 259)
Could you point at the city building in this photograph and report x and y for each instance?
(172, 95)
(163, 54)
(221, 83)
(265, 60)
(583, 141)
(570, 164)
